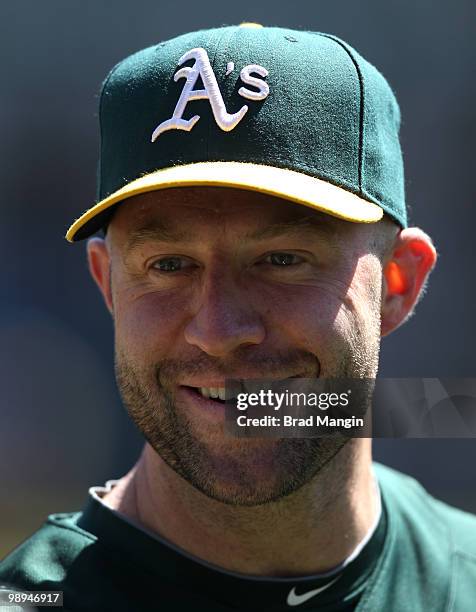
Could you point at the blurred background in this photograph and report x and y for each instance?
(63, 427)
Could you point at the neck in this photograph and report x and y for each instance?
(309, 532)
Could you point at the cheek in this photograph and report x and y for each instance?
(147, 324)
(364, 294)
(359, 312)
(327, 315)
(305, 315)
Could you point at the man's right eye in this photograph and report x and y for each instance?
(168, 264)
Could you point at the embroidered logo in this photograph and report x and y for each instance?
(296, 600)
(211, 92)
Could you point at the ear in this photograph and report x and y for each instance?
(405, 273)
(99, 263)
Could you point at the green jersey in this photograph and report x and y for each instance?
(421, 557)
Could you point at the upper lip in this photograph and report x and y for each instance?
(216, 384)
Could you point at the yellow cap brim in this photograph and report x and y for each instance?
(279, 182)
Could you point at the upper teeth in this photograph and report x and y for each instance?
(213, 392)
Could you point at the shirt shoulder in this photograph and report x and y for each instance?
(434, 541)
(92, 573)
(413, 497)
(47, 554)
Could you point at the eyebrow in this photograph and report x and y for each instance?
(309, 225)
(157, 231)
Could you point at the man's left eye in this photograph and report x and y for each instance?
(283, 259)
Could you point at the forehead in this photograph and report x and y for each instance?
(216, 207)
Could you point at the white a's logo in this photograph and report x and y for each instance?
(211, 92)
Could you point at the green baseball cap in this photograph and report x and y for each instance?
(295, 114)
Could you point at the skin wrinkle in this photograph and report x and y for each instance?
(157, 230)
(225, 499)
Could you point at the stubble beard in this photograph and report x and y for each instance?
(237, 472)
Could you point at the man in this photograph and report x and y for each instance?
(251, 195)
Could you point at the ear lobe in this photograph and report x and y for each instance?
(405, 274)
(100, 268)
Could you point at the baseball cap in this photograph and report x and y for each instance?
(295, 114)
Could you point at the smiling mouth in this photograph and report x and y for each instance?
(214, 393)
(218, 393)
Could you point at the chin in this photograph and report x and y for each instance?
(241, 472)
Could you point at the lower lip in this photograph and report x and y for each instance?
(209, 409)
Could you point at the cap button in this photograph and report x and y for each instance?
(250, 24)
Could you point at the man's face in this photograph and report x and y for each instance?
(215, 283)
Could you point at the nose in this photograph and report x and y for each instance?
(224, 319)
